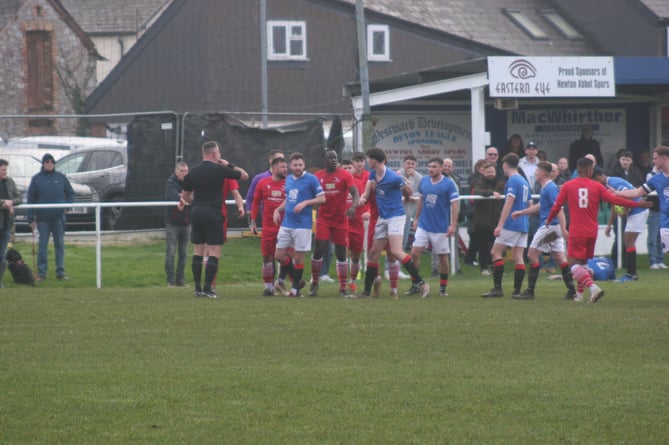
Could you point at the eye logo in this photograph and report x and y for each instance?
(522, 69)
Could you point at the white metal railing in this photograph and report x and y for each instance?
(98, 230)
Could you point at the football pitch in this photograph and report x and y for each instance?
(137, 362)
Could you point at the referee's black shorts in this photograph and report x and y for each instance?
(206, 225)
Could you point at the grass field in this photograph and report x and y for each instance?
(136, 362)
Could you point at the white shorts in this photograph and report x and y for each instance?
(299, 239)
(510, 238)
(636, 223)
(555, 246)
(440, 242)
(388, 227)
(664, 239)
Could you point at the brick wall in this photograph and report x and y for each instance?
(70, 57)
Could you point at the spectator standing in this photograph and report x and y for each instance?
(203, 188)
(564, 174)
(410, 203)
(486, 214)
(510, 232)
(176, 227)
(467, 209)
(583, 146)
(49, 187)
(9, 197)
(529, 163)
(303, 191)
(492, 155)
(515, 145)
(624, 168)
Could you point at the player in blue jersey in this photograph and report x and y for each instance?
(659, 183)
(549, 237)
(303, 191)
(511, 232)
(388, 188)
(436, 218)
(636, 222)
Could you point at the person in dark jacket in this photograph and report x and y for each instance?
(176, 227)
(583, 146)
(486, 213)
(49, 187)
(9, 197)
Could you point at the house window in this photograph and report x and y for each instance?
(523, 22)
(286, 40)
(378, 43)
(561, 24)
(40, 66)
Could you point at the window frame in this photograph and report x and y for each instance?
(371, 56)
(287, 25)
(561, 24)
(527, 25)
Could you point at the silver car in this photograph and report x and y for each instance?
(22, 167)
(103, 168)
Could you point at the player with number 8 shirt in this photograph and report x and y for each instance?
(583, 195)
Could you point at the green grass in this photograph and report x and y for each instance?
(136, 362)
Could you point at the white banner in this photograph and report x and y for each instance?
(553, 130)
(551, 77)
(447, 135)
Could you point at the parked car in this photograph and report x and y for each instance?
(59, 146)
(23, 165)
(104, 169)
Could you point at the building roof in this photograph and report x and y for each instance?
(659, 7)
(10, 8)
(113, 16)
(484, 22)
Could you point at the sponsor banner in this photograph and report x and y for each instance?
(447, 135)
(551, 77)
(553, 130)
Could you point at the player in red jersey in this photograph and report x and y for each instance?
(356, 224)
(583, 195)
(270, 193)
(332, 219)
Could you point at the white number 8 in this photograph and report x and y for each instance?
(583, 198)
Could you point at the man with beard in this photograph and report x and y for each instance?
(269, 194)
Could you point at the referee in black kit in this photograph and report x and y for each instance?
(203, 188)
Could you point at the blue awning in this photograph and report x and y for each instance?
(641, 70)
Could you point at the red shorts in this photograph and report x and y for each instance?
(581, 248)
(355, 241)
(337, 234)
(268, 240)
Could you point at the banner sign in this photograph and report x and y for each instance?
(447, 135)
(553, 130)
(516, 77)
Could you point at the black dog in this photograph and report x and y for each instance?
(21, 273)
